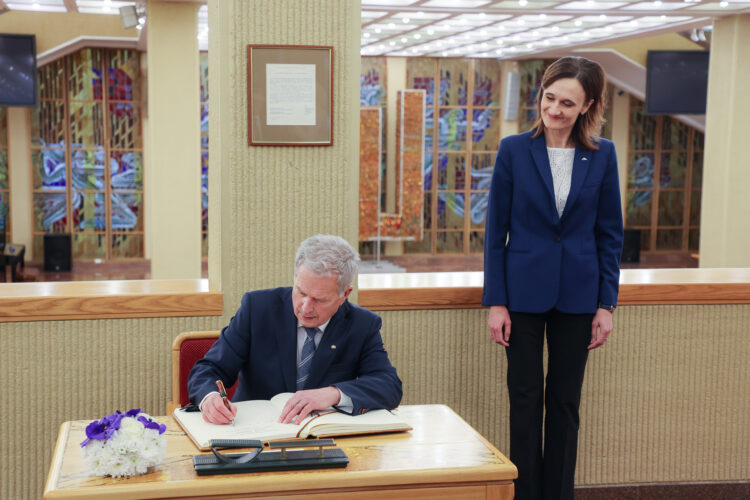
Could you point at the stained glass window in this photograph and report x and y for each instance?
(87, 157)
(460, 148)
(204, 152)
(664, 181)
(4, 181)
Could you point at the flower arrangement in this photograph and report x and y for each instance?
(123, 444)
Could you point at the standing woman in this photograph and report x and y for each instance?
(551, 264)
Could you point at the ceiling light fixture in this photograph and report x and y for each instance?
(405, 20)
(522, 3)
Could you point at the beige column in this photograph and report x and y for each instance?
(173, 148)
(507, 127)
(620, 136)
(725, 205)
(264, 200)
(19, 173)
(396, 76)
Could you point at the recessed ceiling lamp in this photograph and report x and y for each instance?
(724, 3)
(405, 20)
(522, 3)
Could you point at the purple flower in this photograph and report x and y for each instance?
(150, 424)
(106, 427)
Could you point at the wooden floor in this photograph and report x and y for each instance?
(141, 269)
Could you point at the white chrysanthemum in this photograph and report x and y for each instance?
(130, 428)
(131, 450)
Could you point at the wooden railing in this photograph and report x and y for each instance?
(108, 299)
(379, 292)
(388, 292)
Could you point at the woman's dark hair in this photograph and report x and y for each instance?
(591, 77)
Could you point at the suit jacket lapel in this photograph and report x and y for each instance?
(325, 353)
(580, 169)
(541, 160)
(287, 339)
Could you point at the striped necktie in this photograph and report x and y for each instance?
(305, 359)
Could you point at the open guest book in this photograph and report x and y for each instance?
(258, 419)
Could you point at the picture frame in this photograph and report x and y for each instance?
(290, 95)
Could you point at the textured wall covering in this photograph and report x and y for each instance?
(665, 400)
(273, 197)
(264, 201)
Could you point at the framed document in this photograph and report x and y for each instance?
(290, 95)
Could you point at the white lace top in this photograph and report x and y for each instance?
(561, 163)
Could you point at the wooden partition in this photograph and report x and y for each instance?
(664, 401)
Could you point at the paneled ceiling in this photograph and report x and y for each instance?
(485, 28)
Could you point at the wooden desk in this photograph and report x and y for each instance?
(443, 457)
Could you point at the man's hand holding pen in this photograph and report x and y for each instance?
(217, 409)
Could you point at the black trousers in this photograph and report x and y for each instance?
(546, 472)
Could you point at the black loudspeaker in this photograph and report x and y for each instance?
(57, 252)
(631, 248)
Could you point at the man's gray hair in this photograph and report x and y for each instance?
(328, 255)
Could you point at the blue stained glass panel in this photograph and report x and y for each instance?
(450, 211)
(204, 191)
(451, 173)
(429, 120)
(427, 172)
(485, 129)
(452, 130)
(478, 209)
(88, 211)
(126, 211)
(126, 170)
(481, 170)
(454, 84)
(641, 171)
(50, 213)
(48, 167)
(88, 169)
(204, 126)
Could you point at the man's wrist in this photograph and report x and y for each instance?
(200, 405)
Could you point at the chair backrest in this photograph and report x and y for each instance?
(187, 349)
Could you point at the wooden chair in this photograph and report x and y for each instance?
(187, 348)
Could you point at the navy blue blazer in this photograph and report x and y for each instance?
(259, 348)
(535, 260)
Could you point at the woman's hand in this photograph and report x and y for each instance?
(499, 323)
(601, 327)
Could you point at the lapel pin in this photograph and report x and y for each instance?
(584, 158)
(333, 346)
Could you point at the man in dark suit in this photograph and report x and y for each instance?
(307, 339)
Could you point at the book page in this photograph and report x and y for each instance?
(256, 419)
(341, 424)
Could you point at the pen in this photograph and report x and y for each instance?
(223, 394)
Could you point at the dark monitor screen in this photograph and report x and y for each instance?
(676, 82)
(18, 70)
